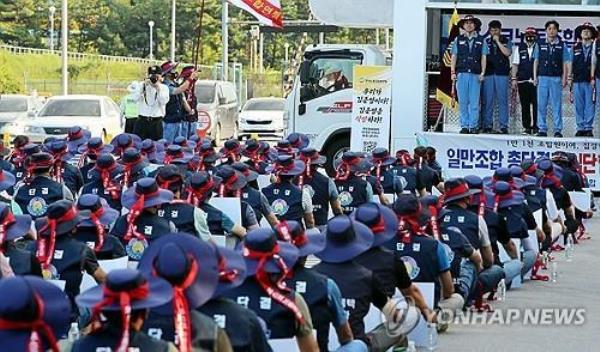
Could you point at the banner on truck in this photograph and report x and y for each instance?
(371, 111)
(461, 155)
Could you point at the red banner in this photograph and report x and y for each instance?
(267, 12)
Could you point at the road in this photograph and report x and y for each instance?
(578, 286)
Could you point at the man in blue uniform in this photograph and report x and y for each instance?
(522, 79)
(550, 72)
(582, 80)
(469, 62)
(495, 84)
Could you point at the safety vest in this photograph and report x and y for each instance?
(111, 248)
(131, 107)
(582, 63)
(286, 201)
(352, 193)
(35, 197)
(380, 261)
(469, 56)
(108, 338)
(497, 62)
(319, 184)
(181, 214)
(465, 220)
(551, 58)
(525, 70)
(160, 325)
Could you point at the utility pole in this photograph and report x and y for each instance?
(64, 32)
(173, 7)
(224, 38)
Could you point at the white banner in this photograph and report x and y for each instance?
(371, 108)
(462, 155)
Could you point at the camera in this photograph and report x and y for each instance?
(154, 78)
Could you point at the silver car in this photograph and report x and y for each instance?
(262, 117)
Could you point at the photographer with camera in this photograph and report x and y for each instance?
(177, 108)
(152, 99)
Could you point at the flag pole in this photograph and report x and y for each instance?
(224, 35)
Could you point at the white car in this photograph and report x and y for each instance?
(98, 114)
(17, 106)
(263, 117)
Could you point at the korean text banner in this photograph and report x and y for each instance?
(461, 155)
(371, 108)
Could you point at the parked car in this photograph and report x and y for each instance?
(218, 102)
(98, 114)
(17, 106)
(262, 116)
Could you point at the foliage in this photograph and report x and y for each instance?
(120, 27)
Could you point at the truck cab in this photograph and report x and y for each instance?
(317, 106)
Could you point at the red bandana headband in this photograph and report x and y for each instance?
(45, 250)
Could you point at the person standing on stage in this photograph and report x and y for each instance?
(582, 81)
(469, 62)
(495, 84)
(550, 72)
(522, 80)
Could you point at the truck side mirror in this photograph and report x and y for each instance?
(305, 72)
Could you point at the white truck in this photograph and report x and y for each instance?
(323, 114)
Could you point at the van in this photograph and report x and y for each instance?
(218, 108)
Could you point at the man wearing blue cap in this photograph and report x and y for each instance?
(124, 301)
(320, 292)
(346, 239)
(284, 311)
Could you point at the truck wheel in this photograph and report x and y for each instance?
(334, 150)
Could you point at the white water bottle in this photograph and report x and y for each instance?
(433, 337)
(570, 249)
(501, 291)
(73, 333)
(553, 271)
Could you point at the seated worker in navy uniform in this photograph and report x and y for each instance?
(135, 166)
(322, 295)
(431, 178)
(62, 171)
(103, 181)
(284, 147)
(201, 186)
(96, 219)
(63, 257)
(250, 194)
(353, 189)
(323, 189)
(121, 328)
(229, 315)
(186, 217)
(31, 307)
(432, 161)
(285, 312)
(404, 167)
(14, 227)
(152, 151)
(37, 191)
(288, 201)
(518, 219)
(383, 175)
(123, 141)
(190, 266)
(206, 158)
(345, 240)
(89, 154)
(385, 265)
(232, 182)
(138, 228)
(259, 155)
(496, 226)
(17, 156)
(76, 137)
(231, 152)
(20, 170)
(456, 213)
(425, 258)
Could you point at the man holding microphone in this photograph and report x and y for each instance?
(152, 98)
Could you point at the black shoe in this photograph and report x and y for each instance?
(527, 131)
(588, 134)
(558, 135)
(504, 131)
(464, 131)
(580, 133)
(534, 130)
(474, 131)
(542, 134)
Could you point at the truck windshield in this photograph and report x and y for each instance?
(330, 74)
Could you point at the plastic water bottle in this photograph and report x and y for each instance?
(501, 291)
(554, 272)
(411, 347)
(433, 337)
(73, 334)
(570, 249)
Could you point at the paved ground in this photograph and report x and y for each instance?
(578, 286)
